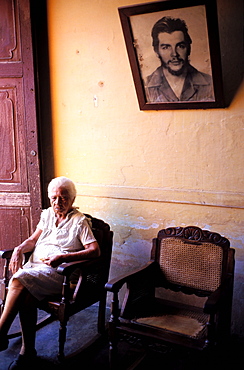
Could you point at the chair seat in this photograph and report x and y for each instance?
(185, 325)
(171, 320)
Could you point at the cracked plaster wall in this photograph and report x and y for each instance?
(145, 170)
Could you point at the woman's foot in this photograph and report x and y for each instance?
(3, 344)
(26, 361)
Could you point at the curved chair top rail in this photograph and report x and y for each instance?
(194, 234)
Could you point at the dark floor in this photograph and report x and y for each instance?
(94, 354)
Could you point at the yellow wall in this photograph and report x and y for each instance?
(144, 170)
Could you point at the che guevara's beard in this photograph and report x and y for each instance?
(179, 72)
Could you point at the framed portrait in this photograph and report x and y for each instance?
(174, 54)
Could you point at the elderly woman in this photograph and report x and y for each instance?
(62, 235)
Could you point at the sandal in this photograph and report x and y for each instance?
(23, 362)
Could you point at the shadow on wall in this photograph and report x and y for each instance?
(43, 95)
(231, 45)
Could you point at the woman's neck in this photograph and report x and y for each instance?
(61, 216)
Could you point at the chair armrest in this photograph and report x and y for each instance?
(6, 253)
(64, 269)
(114, 285)
(140, 288)
(67, 268)
(215, 299)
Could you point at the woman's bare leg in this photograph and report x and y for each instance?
(11, 308)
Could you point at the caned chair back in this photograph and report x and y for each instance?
(192, 258)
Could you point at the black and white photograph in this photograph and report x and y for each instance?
(174, 54)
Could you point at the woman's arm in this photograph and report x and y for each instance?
(27, 246)
(91, 250)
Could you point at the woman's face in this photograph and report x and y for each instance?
(60, 200)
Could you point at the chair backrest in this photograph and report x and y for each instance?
(88, 282)
(191, 259)
(104, 236)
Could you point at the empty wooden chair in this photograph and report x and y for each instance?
(185, 260)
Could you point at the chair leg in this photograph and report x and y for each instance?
(113, 347)
(101, 315)
(62, 339)
(112, 332)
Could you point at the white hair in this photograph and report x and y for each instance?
(62, 182)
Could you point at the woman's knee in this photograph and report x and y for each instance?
(16, 284)
(18, 289)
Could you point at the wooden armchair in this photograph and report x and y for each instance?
(183, 260)
(87, 289)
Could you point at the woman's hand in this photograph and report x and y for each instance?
(91, 250)
(54, 260)
(27, 246)
(16, 260)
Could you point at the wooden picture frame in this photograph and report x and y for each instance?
(191, 83)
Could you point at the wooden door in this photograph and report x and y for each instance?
(20, 198)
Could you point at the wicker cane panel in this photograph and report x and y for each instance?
(181, 315)
(192, 265)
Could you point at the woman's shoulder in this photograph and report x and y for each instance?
(47, 212)
(45, 218)
(77, 215)
(81, 218)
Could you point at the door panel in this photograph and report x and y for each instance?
(9, 20)
(12, 136)
(20, 198)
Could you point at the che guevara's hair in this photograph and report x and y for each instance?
(169, 25)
